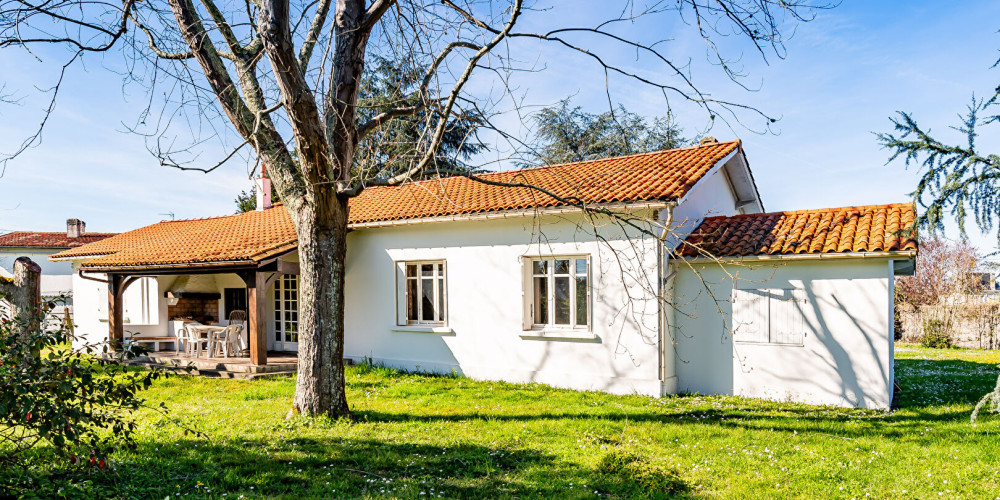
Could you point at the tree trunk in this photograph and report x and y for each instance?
(322, 231)
(24, 291)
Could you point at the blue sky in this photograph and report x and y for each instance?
(845, 73)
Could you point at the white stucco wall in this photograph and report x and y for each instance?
(55, 275)
(487, 337)
(846, 357)
(90, 315)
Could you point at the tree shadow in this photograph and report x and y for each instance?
(934, 392)
(333, 467)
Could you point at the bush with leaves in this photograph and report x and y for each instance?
(79, 403)
(935, 335)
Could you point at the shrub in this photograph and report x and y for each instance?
(935, 335)
(79, 404)
(635, 468)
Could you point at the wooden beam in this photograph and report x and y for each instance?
(288, 267)
(116, 311)
(256, 315)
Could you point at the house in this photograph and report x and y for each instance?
(56, 282)
(675, 281)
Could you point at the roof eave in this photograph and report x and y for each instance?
(889, 254)
(518, 212)
(152, 268)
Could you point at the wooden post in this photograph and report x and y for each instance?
(116, 311)
(256, 315)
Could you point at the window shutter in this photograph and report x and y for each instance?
(750, 315)
(788, 316)
(400, 293)
(526, 299)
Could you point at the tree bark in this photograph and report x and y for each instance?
(322, 232)
(24, 291)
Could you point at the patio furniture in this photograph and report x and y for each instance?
(227, 340)
(238, 316)
(156, 341)
(196, 336)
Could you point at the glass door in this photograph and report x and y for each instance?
(286, 313)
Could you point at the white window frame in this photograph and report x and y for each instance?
(787, 331)
(531, 322)
(438, 291)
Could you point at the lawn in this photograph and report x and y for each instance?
(419, 436)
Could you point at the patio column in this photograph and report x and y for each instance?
(116, 311)
(256, 315)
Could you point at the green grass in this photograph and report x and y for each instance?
(419, 436)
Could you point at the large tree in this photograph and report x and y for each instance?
(957, 179)
(566, 134)
(289, 77)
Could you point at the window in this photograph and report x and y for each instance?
(424, 293)
(141, 302)
(558, 293)
(286, 312)
(235, 300)
(769, 316)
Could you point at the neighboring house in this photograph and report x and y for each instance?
(57, 277)
(509, 283)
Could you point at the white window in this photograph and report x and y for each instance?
(769, 316)
(424, 293)
(558, 293)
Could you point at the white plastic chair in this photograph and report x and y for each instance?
(193, 341)
(227, 341)
(238, 317)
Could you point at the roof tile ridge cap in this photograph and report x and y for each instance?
(813, 210)
(211, 217)
(559, 165)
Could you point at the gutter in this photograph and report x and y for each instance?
(191, 265)
(667, 371)
(897, 254)
(507, 214)
(99, 280)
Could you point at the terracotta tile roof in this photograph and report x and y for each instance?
(663, 175)
(874, 228)
(247, 237)
(38, 239)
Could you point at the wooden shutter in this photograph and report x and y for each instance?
(400, 293)
(750, 315)
(788, 324)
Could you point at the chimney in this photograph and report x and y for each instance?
(263, 184)
(75, 228)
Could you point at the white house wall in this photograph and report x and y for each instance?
(486, 336)
(55, 275)
(711, 196)
(846, 356)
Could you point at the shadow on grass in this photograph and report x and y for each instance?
(932, 390)
(307, 467)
